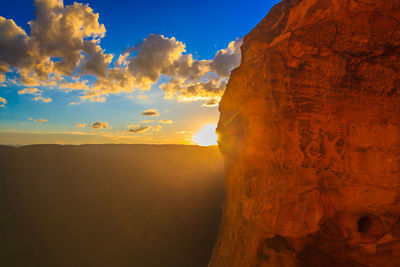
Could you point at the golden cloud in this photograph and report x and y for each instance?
(211, 103)
(65, 40)
(166, 121)
(30, 91)
(100, 125)
(138, 129)
(157, 127)
(150, 112)
(43, 99)
(81, 125)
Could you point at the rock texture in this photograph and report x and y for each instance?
(310, 132)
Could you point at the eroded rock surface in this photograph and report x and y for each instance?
(310, 132)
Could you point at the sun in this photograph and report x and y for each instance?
(206, 136)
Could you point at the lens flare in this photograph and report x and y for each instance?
(206, 136)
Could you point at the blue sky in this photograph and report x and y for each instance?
(201, 27)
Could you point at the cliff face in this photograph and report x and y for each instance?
(310, 132)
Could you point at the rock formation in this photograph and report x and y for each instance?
(310, 132)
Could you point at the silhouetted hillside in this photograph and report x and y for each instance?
(109, 205)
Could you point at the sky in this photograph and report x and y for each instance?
(117, 71)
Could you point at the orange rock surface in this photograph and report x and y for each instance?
(310, 132)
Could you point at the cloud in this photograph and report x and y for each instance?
(97, 61)
(101, 125)
(37, 93)
(142, 96)
(227, 59)
(150, 112)
(64, 45)
(38, 120)
(189, 85)
(63, 33)
(211, 103)
(72, 104)
(100, 99)
(14, 43)
(146, 121)
(30, 91)
(166, 121)
(139, 66)
(58, 39)
(74, 84)
(81, 125)
(194, 91)
(43, 99)
(138, 129)
(155, 54)
(157, 127)
(3, 100)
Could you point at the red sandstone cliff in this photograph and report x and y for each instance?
(310, 132)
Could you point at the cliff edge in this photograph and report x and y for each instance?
(310, 133)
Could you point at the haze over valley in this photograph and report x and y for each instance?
(109, 205)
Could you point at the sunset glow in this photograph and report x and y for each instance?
(71, 73)
(206, 136)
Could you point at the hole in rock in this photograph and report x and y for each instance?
(364, 224)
